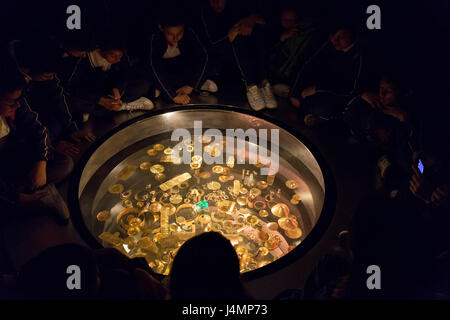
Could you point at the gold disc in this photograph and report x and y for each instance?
(264, 236)
(280, 210)
(145, 166)
(286, 223)
(242, 200)
(160, 177)
(205, 175)
(272, 226)
(217, 169)
(213, 185)
(252, 220)
(225, 171)
(158, 147)
(115, 189)
(175, 198)
(168, 151)
(157, 168)
(223, 179)
(152, 152)
(291, 184)
(263, 251)
(262, 184)
(294, 233)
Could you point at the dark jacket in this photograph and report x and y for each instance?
(48, 100)
(91, 83)
(24, 128)
(193, 60)
(332, 71)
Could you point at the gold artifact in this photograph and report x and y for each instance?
(145, 166)
(291, 184)
(115, 189)
(157, 168)
(103, 215)
(280, 210)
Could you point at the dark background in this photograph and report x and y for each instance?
(414, 34)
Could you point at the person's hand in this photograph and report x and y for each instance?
(295, 102)
(441, 196)
(110, 104)
(419, 186)
(289, 34)
(38, 174)
(395, 112)
(373, 99)
(83, 134)
(182, 99)
(309, 92)
(67, 148)
(248, 23)
(234, 32)
(31, 200)
(185, 90)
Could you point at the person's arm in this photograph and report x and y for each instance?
(69, 126)
(157, 67)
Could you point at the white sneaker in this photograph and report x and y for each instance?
(255, 99)
(267, 94)
(142, 103)
(209, 86)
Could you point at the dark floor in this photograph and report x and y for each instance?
(351, 165)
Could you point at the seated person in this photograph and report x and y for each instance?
(38, 60)
(28, 164)
(330, 78)
(297, 39)
(75, 47)
(386, 120)
(106, 82)
(234, 34)
(178, 60)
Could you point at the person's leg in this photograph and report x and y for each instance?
(242, 52)
(59, 168)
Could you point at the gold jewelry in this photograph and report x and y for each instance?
(217, 169)
(190, 149)
(204, 139)
(183, 206)
(259, 205)
(155, 207)
(203, 219)
(280, 210)
(133, 231)
(263, 213)
(272, 226)
(127, 203)
(157, 168)
(286, 223)
(244, 210)
(262, 235)
(141, 196)
(103, 215)
(242, 200)
(225, 171)
(262, 184)
(145, 166)
(271, 243)
(291, 184)
(252, 220)
(158, 147)
(227, 206)
(223, 179)
(255, 192)
(243, 191)
(213, 185)
(205, 175)
(174, 190)
(115, 189)
(152, 152)
(168, 151)
(125, 195)
(270, 179)
(218, 216)
(160, 177)
(295, 198)
(168, 209)
(175, 199)
(294, 233)
(140, 204)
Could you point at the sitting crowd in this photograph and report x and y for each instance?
(52, 86)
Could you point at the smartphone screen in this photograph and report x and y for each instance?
(420, 166)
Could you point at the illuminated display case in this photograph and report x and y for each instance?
(134, 191)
